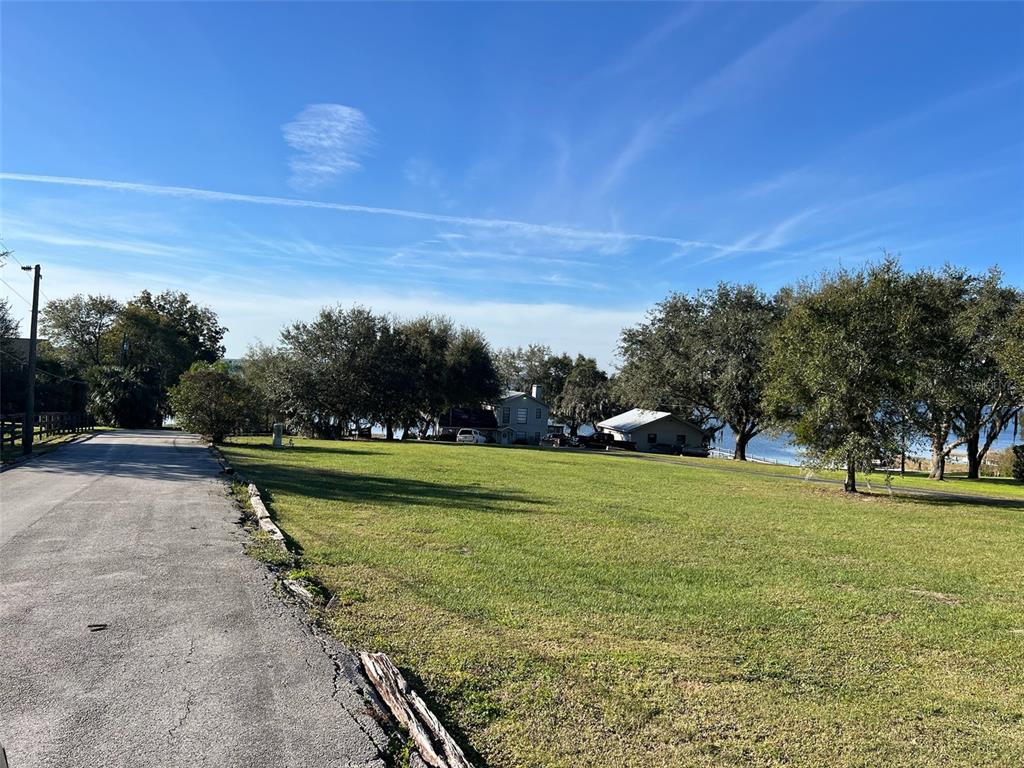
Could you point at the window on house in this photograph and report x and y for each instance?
(681, 439)
(506, 415)
(521, 414)
(652, 437)
(538, 413)
(536, 436)
(520, 435)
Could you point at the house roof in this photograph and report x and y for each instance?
(515, 395)
(639, 418)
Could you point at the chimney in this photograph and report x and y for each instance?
(535, 392)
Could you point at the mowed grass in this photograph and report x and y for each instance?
(573, 609)
(875, 482)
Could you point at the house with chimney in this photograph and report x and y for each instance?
(522, 417)
(516, 418)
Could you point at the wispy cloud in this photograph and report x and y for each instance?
(642, 49)
(266, 305)
(906, 127)
(766, 241)
(329, 139)
(598, 238)
(741, 78)
(140, 247)
(421, 172)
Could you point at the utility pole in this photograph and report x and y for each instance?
(28, 427)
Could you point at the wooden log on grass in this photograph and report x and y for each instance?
(435, 744)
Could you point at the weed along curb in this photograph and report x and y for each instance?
(389, 692)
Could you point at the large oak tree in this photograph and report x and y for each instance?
(842, 368)
(703, 355)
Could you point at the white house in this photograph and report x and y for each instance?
(649, 429)
(521, 417)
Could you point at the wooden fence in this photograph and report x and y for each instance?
(48, 424)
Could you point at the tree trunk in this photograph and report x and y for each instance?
(740, 451)
(995, 428)
(938, 471)
(389, 430)
(850, 486)
(573, 429)
(406, 426)
(973, 459)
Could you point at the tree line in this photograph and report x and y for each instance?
(117, 360)
(855, 365)
(350, 369)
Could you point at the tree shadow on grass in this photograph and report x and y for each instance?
(952, 501)
(308, 450)
(377, 490)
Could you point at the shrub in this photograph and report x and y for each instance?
(210, 400)
(1018, 462)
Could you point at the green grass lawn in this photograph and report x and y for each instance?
(954, 482)
(571, 609)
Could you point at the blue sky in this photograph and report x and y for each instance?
(543, 172)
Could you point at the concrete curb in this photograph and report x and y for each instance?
(263, 516)
(374, 693)
(22, 459)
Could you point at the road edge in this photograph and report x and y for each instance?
(312, 598)
(422, 733)
(24, 459)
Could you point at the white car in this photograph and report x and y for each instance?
(470, 436)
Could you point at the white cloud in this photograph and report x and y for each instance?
(582, 238)
(329, 138)
(256, 307)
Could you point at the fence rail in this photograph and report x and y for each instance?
(719, 453)
(48, 424)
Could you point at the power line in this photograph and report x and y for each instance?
(15, 291)
(45, 373)
(11, 254)
(23, 266)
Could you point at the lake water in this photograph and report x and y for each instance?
(781, 451)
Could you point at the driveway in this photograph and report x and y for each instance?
(135, 632)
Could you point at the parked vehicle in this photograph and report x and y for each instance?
(470, 436)
(606, 441)
(555, 440)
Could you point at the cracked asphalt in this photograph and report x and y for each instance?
(135, 632)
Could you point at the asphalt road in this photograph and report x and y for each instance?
(135, 632)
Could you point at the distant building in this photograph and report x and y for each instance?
(15, 350)
(653, 429)
(516, 417)
(521, 417)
